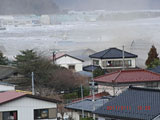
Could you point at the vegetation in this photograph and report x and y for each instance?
(98, 72)
(3, 59)
(153, 59)
(47, 75)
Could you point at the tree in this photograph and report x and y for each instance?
(152, 55)
(3, 59)
(98, 72)
(154, 63)
(47, 75)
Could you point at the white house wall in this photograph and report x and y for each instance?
(25, 107)
(65, 61)
(133, 62)
(6, 88)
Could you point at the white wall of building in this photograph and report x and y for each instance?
(133, 62)
(6, 88)
(65, 61)
(25, 107)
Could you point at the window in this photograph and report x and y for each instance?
(96, 62)
(72, 68)
(45, 113)
(12, 115)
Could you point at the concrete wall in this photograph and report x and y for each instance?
(25, 107)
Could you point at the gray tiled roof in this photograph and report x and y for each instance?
(112, 53)
(156, 69)
(87, 104)
(133, 97)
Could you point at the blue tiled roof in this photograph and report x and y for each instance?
(112, 53)
(133, 97)
(87, 104)
(90, 68)
(156, 69)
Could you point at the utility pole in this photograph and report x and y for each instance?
(93, 97)
(123, 57)
(82, 100)
(33, 91)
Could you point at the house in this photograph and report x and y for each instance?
(87, 105)
(133, 104)
(112, 58)
(69, 62)
(21, 106)
(6, 86)
(116, 82)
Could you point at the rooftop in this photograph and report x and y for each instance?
(87, 104)
(129, 76)
(9, 96)
(58, 56)
(133, 98)
(112, 53)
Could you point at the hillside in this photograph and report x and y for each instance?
(8, 7)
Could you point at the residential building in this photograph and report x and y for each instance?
(112, 58)
(6, 87)
(87, 105)
(116, 82)
(21, 106)
(69, 62)
(133, 104)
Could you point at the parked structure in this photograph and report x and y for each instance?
(21, 106)
(116, 82)
(69, 62)
(112, 58)
(133, 104)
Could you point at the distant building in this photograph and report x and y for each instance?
(21, 106)
(116, 82)
(6, 87)
(69, 62)
(112, 59)
(133, 104)
(45, 20)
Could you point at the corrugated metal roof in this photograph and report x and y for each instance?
(129, 76)
(87, 104)
(133, 97)
(112, 53)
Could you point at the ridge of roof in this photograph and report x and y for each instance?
(107, 50)
(69, 56)
(114, 80)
